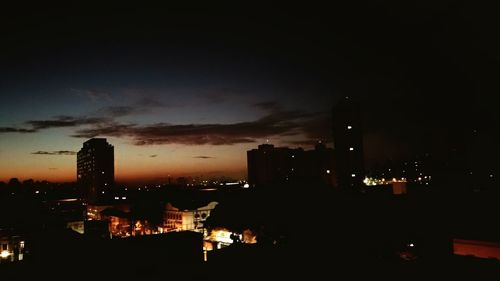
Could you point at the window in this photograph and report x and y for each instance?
(353, 175)
(351, 148)
(349, 127)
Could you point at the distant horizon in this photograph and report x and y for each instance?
(153, 179)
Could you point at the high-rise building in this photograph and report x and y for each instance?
(96, 169)
(270, 165)
(348, 139)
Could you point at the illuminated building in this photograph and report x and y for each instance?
(96, 169)
(348, 139)
(11, 247)
(270, 165)
(177, 219)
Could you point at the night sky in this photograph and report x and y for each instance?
(186, 92)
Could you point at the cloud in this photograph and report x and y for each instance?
(153, 156)
(105, 115)
(93, 95)
(65, 121)
(53, 169)
(204, 157)
(118, 111)
(272, 124)
(319, 128)
(268, 105)
(16, 130)
(150, 102)
(59, 152)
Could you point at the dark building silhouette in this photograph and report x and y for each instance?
(348, 139)
(96, 169)
(270, 165)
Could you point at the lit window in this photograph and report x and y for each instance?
(351, 148)
(349, 127)
(353, 175)
(327, 171)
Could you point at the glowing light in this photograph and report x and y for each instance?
(327, 171)
(4, 254)
(223, 236)
(353, 175)
(116, 198)
(411, 245)
(246, 185)
(232, 183)
(349, 127)
(123, 198)
(351, 148)
(37, 192)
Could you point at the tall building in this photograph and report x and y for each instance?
(348, 139)
(96, 169)
(270, 165)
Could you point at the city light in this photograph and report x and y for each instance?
(349, 127)
(351, 148)
(327, 171)
(4, 254)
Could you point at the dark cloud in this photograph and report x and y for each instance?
(16, 130)
(118, 111)
(59, 152)
(204, 157)
(150, 102)
(273, 124)
(107, 129)
(65, 121)
(268, 105)
(319, 128)
(93, 95)
(153, 156)
(303, 143)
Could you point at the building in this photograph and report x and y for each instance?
(96, 170)
(348, 139)
(270, 165)
(11, 246)
(192, 219)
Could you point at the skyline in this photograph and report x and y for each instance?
(188, 92)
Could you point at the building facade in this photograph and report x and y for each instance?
(348, 139)
(176, 219)
(96, 169)
(270, 165)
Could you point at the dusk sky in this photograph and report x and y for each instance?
(188, 92)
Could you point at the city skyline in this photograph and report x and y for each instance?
(184, 93)
(239, 141)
